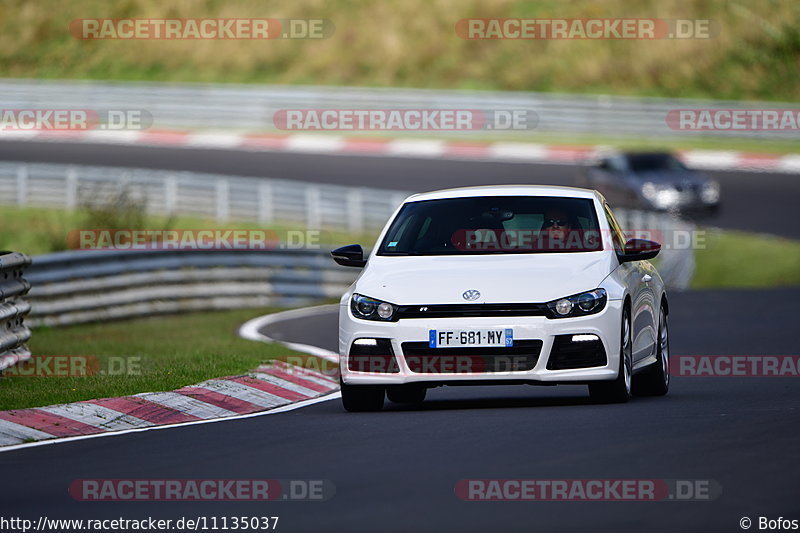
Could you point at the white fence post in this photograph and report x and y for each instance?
(170, 194)
(313, 207)
(71, 189)
(355, 211)
(266, 208)
(22, 185)
(223, 193)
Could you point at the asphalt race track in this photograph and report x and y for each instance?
(752, 201)
(397, 470)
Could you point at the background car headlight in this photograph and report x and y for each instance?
(662, 196)
(585, 303)
(710, 192)
(367, 308)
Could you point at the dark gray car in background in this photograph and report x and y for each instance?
(651, 180)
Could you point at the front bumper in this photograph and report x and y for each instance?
(605, 325)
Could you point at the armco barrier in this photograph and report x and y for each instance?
(86, 286)
(251, 107)
(216, 196)
(13, 308)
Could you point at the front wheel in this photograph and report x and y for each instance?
(619, 390)
(357, 398)
(654, 381)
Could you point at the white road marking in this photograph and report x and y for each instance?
(186, 404)
(416, 147)
(96, 415)
(244, 393)
(250, 330)
(285, 384)
(314, 143)
(11, 432)
(525, 151)
(212, 139)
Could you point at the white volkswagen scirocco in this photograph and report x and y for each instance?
(514, 284)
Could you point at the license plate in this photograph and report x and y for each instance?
(440, 338)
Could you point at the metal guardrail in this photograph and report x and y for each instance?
(13, 308)
(213, 196)
(93, 285)
(251, 107)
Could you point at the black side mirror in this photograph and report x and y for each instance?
(351, 255)
(639, 250)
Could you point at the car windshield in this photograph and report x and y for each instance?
(494, 225)
(654, 162)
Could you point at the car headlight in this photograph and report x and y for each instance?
(585, 303)
(661, 195)
(649, 190)
(367, 308)
(710, 192)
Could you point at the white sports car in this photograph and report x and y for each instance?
(514, 284)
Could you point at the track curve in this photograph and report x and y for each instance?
(751, 201)
(396, 470)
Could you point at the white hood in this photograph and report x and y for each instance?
(499, 278)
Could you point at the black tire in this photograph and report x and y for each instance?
(406, 393)
(619, 390)
(654, 381)
(359, 398)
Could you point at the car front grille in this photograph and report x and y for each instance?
(422, 359)
(470, 310)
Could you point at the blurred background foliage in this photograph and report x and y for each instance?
(412, 43)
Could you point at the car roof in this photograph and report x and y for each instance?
(507, 190)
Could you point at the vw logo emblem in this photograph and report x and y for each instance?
(471, 295)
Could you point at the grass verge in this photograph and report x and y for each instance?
(35, 230)
(172, 352)
(734, 259)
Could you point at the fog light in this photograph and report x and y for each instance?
(366, 342)
(584, 338)
(563, 306)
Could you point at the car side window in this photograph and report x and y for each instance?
(616, 232)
